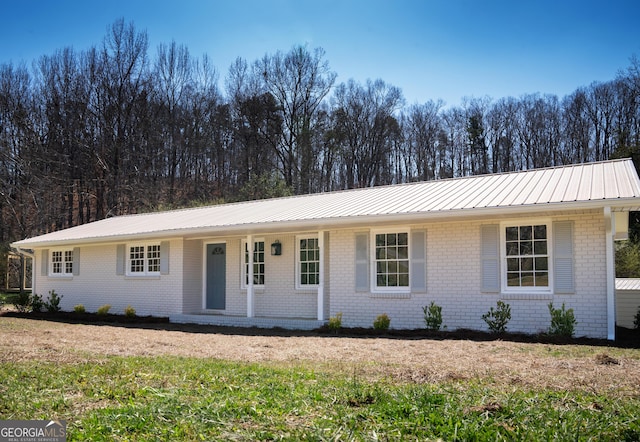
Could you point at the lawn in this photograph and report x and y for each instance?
(169, 397)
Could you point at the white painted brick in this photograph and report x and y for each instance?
(453, 269)
(453, 282)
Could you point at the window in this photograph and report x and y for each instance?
(153, 258)
(308, 262)
(526, 251)
(62, 262)
(144, 259)
(258, 264)
(391, 260)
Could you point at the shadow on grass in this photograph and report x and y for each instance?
(625, 338)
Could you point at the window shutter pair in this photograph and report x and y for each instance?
(563, 278)
(121, 258)
(417, 262)
(44, 270)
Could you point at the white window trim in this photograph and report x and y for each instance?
(146, 272)
(243, 264)
(372, 257)
(63, 273)
(299, 285)
(503, 255)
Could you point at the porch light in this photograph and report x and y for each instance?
(276, 248)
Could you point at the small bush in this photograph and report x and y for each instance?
(130, 312)
(497, 319)
(79, 308)
(103, 310)
(382, 322)
(563, 322)
(53, 304)
(432, 316)
(335, 322)
(37, 304)
(23, 302)
(636, 319)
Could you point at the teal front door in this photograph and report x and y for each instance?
(216, 276)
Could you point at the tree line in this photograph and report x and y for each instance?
(114, 130)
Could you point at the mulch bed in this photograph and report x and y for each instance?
(625, 338)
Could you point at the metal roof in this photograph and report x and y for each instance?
(630, 284)
(591, 185)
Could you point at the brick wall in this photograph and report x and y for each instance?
(193, 271)
(98, 284)
(453, 282)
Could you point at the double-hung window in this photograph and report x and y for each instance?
(62, 263)
(526, 252)
(143, 260)
(308, 266)
(391, 261)
(258, 263)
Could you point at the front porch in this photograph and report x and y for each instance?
(243, 321)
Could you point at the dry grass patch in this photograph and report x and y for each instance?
(559, 367)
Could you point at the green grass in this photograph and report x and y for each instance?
(170, 398)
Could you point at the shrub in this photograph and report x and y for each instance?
(79, 308)
(37, 304)
(497, 319)
(130, 312)
(53, 304)
(23, 302)
(103, 310)
(382, 322)
(335, 322)
(636, 319)
(563, 322)
(432, 316)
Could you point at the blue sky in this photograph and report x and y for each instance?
(431, 49)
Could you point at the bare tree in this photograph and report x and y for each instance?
(122, 80)
(257, 122)
(299, 81)
(366, 126)
(422, 130)
(173, 72)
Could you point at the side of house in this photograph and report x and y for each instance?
(367, 270)
(627, 301)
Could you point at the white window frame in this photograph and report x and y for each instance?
(299, 262)
(374, 263)
(244, 264)
(66, 263)
(146, 259)
(503, 255)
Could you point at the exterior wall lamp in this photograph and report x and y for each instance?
(276, 248)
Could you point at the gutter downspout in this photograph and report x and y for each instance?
(321, 270)
(250, 293)
(610, 263)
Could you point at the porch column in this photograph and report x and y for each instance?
(321, 277)
(610, 229)
(250, 303)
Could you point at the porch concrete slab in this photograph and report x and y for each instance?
(241, 321)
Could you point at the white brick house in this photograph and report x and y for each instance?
(527, 238)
